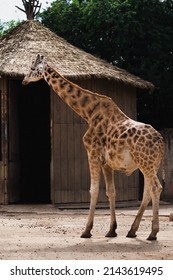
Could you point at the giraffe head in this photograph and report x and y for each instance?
(36, 71)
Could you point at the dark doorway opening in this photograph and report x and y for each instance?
(34, 148)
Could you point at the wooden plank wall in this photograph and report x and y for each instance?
(1, 164)
(70, 173)
(167, 193)
(70, 169)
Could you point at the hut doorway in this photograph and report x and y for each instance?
(29, 142)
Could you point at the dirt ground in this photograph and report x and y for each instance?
(46, 232)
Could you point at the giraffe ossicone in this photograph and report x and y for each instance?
(113, 141)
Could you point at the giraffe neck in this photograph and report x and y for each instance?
(86, 104)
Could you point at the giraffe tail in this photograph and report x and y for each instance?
(163, 172)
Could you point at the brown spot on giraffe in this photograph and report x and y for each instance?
(113, 142)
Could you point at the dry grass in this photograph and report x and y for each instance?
(23, 43)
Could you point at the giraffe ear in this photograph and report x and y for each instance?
(42, 59)
(37, 59)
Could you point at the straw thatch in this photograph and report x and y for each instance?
(24, 42)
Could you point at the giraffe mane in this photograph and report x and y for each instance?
(77, 86)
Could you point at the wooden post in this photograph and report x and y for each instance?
(4, 141)
(171, 217)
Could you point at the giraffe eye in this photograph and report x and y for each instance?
(41, 67)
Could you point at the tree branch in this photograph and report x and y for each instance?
(31, 8)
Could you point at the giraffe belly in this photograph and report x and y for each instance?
(122, 162)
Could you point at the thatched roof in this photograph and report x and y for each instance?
(19, 47)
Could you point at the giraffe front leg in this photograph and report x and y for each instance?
(94, 191)
(111, 194)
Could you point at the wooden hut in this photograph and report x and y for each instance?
(42, 154)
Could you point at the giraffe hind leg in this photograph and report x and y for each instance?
(146, 199)
(152, 190)
(155, 196)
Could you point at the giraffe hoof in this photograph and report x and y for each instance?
(131, 235)
(111, 234)
(86, 235)
(151, 238)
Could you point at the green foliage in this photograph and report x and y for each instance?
(5, 27)
(135, 35)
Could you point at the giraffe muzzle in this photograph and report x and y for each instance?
(24, 82)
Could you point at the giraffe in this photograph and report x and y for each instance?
(113, 141)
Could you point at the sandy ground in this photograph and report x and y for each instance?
(45, 232)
